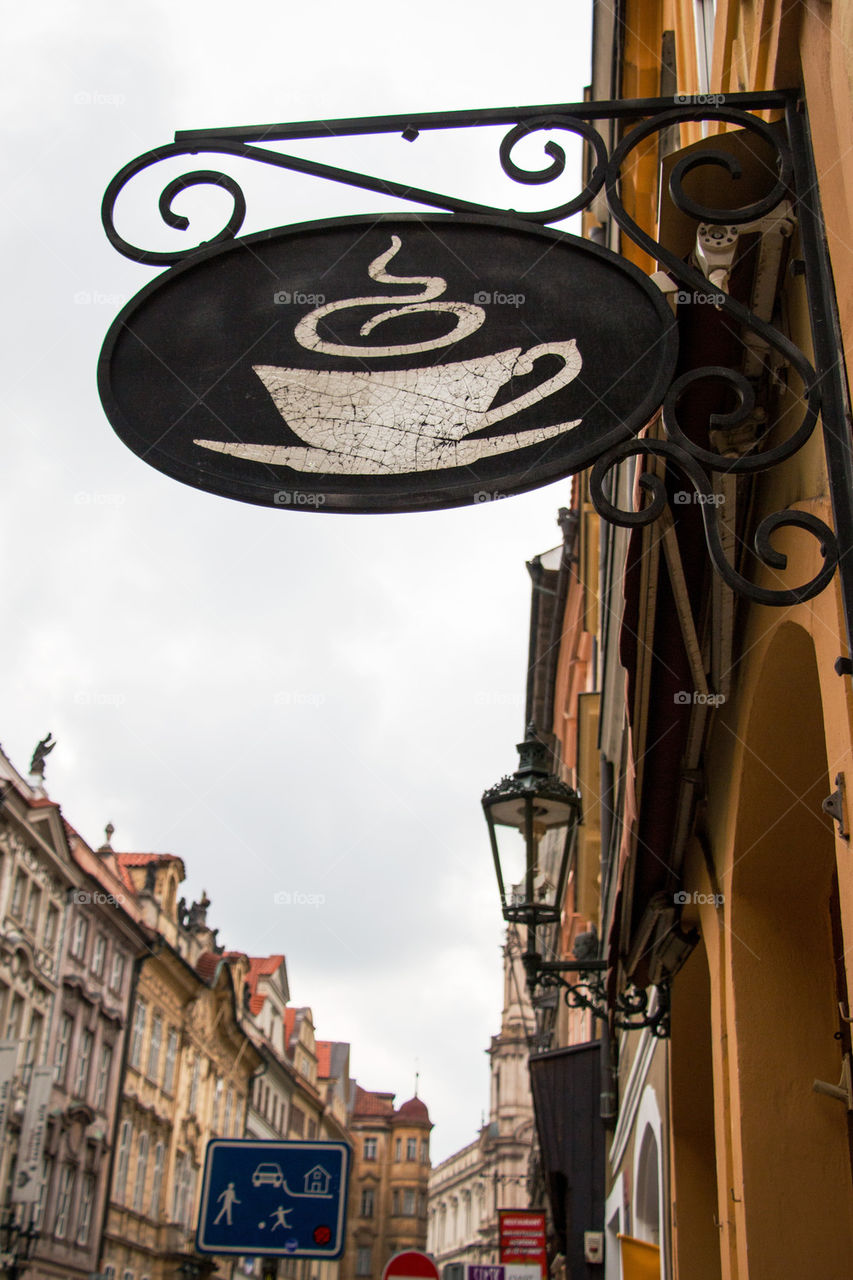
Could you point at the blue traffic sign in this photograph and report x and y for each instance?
(279, 1199)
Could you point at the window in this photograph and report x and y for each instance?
(312, 1130)
(183, 1193)
(38, 1209)
(368, 1200)
(370, 1148)
(297, 1121)
(154, 1043)
(117, 973)
(229, 1103)
(362, 1261)
(122, 1161)
(178, 1188)
(32, 1049)
(63, 1040)
(16, 1012)
(63, 1202)
(79, 934)
(51, 927)
(141, 1173)
(193, 1099)
(217, 1102)
(87, 1198)
(171, 1056)
(157, 1180)
(99, 952)
(109, 1272)
(18, 894)
(84, 1059)
(33, 907)
(103, 1084)
(136, 1035)
(424, 1150)
(127, 1275)
(398, 1149)
(411, 1148)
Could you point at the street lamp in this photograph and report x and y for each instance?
(545, 812)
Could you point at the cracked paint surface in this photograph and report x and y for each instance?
(383, 422)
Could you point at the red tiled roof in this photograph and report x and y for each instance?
(126, 860)
(143, 859)
(259, 966)
(324, 1058)
(265, 964)
(207, 964)
(413, 1112)
(372, 1104)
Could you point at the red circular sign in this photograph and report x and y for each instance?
(410, 1265)
(322, 1235)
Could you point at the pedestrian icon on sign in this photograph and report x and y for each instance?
(229, 1199)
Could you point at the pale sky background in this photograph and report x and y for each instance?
(293, 702)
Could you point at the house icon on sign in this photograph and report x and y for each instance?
(317, 1181)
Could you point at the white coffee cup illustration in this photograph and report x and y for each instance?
(377, 422)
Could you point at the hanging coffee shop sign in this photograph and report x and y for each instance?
(387, 364)
(426, 360)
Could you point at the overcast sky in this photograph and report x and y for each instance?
(298, 704)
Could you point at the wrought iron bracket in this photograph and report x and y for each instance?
(631, 1009)
(614, 133)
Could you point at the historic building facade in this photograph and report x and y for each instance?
(494, 1172)
(388, 1185)
(188, 1077)
(704, 729)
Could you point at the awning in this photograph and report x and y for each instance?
(566, 1088)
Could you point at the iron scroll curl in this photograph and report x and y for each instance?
(590, 122)
(687, 457)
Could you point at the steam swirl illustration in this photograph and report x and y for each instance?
(469, 317)
(399, 421)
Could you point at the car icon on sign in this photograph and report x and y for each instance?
(269, 1174)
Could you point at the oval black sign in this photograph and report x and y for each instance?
(387, 363)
